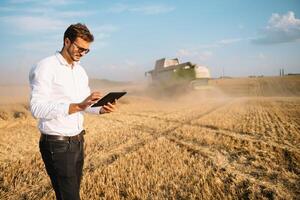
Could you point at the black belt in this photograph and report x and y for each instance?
(79, 137)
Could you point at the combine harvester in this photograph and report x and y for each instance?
(169, 75)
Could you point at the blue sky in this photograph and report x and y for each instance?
(239, 37)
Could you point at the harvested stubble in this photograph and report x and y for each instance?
(217, 148)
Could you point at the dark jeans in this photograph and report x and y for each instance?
(64, 162)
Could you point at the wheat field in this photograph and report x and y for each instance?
(239, 140)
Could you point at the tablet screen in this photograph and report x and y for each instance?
(110, 97)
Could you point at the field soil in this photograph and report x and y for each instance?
(234, 139)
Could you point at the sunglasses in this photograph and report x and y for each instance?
(80, 49)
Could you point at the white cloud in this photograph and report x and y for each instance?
(284, 22)
(22, 1)
(221, 43)
(152, 9)
(33, 23)
(47, 2)
(208, 46)
(229, 41)
(144, 9)
(72, 14)
(37, 10)
(37, 18)
(118, 8)
(38, 46)
(280, 29)
(49, 11)
(101, 33)
(62, 2)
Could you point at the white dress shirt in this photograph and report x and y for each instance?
(54, 86)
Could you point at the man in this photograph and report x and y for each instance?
(59, 96)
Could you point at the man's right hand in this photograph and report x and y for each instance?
(93, 98)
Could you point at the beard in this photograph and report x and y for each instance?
(74, 56)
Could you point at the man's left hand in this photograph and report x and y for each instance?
(108, 108)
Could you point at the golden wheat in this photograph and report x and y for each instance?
(207, 148)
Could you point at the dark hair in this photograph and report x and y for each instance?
(78, 30)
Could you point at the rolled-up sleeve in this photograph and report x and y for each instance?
(41, 106)
(93, 110)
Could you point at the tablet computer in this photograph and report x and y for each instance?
(109, 98)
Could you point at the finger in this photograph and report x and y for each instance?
(112, 106)
(105, 109)
(108, 109)
(96, 93)
(92, 98)
(95, 96)
(92, 101)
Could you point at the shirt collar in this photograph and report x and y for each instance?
(63, 61)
